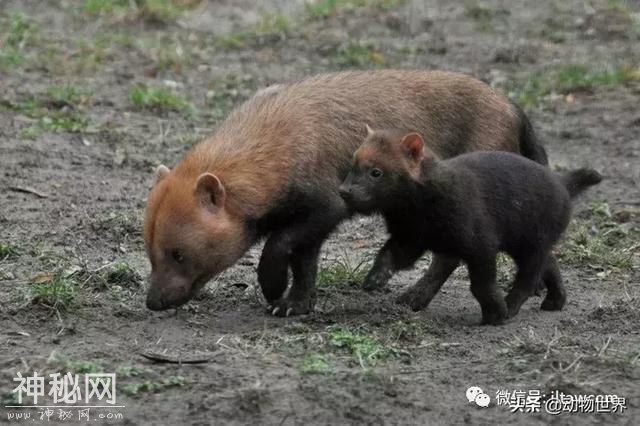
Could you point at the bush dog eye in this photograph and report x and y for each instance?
(177, 256)
(257, 178)
(375, 173)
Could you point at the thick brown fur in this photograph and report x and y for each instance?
(280, 158)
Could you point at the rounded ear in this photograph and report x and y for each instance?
(210, 192)
(413, 146)
(161, 172)
(369, 130)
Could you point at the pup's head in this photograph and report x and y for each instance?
(383, 166)
(189, 235)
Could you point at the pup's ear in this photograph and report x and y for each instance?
(369, 130)
(210, 192)
(413, 146)
(161, 172)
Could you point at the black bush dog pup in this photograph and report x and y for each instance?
(469, 207)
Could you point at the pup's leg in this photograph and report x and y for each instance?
(484, 288)
(556, 293)
(393, 256)
(420, 294)
(529, 273)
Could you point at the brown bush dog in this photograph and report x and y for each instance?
(274, 166)
(470, 207)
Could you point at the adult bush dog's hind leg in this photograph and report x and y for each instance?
(421, 293)
(530, 268)
(482, 273)
(297, 246)
(556, 293)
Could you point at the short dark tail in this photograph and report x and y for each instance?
(530, 146)
(578, 180)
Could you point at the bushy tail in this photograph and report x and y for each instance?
(578, 180)
(530, 145)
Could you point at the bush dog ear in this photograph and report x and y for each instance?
(413, 146)
(210, 192)
(369, 130)
(161, 172)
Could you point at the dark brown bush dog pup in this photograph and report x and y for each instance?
(274, 166)
(469, 207)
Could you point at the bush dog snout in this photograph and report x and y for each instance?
(470, 207)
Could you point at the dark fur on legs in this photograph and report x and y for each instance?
(295, 245)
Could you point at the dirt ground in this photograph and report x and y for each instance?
(94, 94)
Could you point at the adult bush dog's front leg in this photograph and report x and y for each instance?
(302, 295)
(273, 268)
(298, 247)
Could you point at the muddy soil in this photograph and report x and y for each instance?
(72, 194)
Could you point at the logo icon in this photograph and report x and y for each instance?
(475, 394)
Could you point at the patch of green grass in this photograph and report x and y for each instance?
(55, 112)
(407, 331)
(14, 39)
(8, 250)
(84, 367)
(619, 6)
(68, 95)
(164, 11)
(568, 79)
(61, 364)
(359, 55)
(605, 242)
(481, 14)
(272, 23)
(57, 291)
(151, 11)
(122, 274)
(129, 371)
(159, 99)
(365, 349)
(169, 52)
(234, 41)
(344, 271)
(12, 399)
(45, 255)
(314, 363)
(553, 28)
(323, 9)
(148, 386)
(97, 7)
(64, 122)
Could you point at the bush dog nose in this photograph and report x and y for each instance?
(345, 192)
